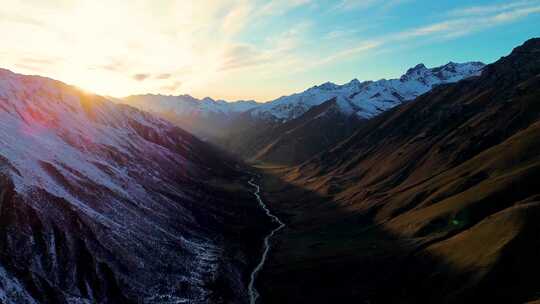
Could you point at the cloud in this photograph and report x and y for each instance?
(16, 18)
(236, 18)
(37, 64)
(355, 4)
(470, 20)
(240, 56)
(279, 7)
(141, 77)
(346, 5)
(275, 49)
(358, 49)
(163, 76)
(114, 65)
(172, 87)
(40, 61)
(467, 25)
(490, 9)
(197, 46)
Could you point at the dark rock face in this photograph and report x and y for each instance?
(102, 203)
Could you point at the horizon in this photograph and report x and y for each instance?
(261, 51)
(236, 100)
(269, 151)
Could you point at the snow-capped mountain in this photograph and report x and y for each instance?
(212, 119)
(104, 203)
(368, 98)
(292, 129)
(206, 118)
(187, 105)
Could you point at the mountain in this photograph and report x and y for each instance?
(434, 201)
(292, 129)
(188, 105)
(278, 132)
(206, 118)
(104, 203)
(369, 98)
(294, 141)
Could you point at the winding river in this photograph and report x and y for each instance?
(253, 294)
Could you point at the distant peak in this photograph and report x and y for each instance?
(208, 99)
(354, 82)
(531, 45)
(418, 67)
(6, 71)
(327, 86)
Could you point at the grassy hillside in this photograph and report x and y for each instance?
(434, 201)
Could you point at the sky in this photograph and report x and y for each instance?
(250, 49)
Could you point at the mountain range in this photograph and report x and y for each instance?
(281, 131)
(104, 203)
(433, 201)
(420, 189)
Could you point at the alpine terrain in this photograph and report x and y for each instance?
(421, 187)
(433, 201)
(282, 131)
(103, 203)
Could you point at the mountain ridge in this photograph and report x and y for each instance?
(101, 202)
(432, 201)
(449, 72)
(259, 136)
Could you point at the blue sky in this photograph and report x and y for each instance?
(242, 49)
(446, 31)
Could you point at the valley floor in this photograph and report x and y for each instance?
(329, 254)
(324, 254)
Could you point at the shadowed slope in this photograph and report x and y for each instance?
(452, 177)
(103, 203)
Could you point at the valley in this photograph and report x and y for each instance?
(434, 201)
(103, 203)
(423, 188)
(253, 293)
(282, 131)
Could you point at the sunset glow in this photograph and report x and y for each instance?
(223, 48)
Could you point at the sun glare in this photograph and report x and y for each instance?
(114, 49)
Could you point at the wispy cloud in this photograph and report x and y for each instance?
(163, 76)
(141, 77)
(241, 56)
(278, 7)
(237, 17)
(462, 22)
(355, 4)
(365, 4)
(493, 8)
(275, 50)
(204, 46)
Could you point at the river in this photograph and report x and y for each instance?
(253, 294)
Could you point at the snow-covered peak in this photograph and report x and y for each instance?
(328, 86)
(46, 121)
(354, 83)
(119, 175)
(369, 98)
(188, 105)
(419, 68)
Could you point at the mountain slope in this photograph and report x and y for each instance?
(252, 130)
(300, 139)
(433, 201)
(369, 98)
(292, 129)
(104, 203)
(206, 118)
